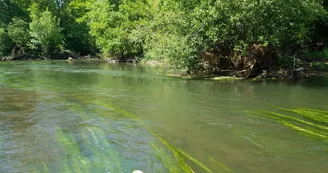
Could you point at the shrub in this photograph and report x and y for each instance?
(46, 34)
(5, 43)
(18, 32)
(286, 61)
(320, 66)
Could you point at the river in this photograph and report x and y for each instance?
(90, 116)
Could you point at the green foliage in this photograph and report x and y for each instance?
(111, 23)
(172, 48)
(280, 23)
(286, 61)
(18, 32)
(4, 42)
(76, 30)
(320, 66)
(4, 13)
(46, 34)
(174, 31)
(165, 35)
(180, 30)
(12, 8)
(318, 55)
(78, 38)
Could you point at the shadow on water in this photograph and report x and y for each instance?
(319, 81)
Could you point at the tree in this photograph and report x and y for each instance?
(111, 23)
(46, 34)
(238, 24)
(4, 42)
(4, 13)
(165, 33)
(76, 29)
(177, 31)
(18, 32)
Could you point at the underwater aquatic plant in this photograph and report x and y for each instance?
(310, 122)
(178, 154)
(90, 148)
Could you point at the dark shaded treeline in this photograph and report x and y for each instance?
(224, 37)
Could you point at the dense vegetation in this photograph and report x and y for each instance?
(227, 37)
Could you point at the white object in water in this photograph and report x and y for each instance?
(137, 171)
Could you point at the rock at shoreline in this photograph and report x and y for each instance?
(70, 59)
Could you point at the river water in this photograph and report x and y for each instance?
(58, 116)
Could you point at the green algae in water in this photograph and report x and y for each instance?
(256, 144)
(109, 154)
(174, 165)
(174, 162)
(68, 142)
(221, 165)
(118, 110)
(299, 124)
(170, 163)
(45, 167)
(72, 151)
(178, 154)
(312, 127)
(102, 152)
(312, 114)
(305, 131)
(77, 109)
(323, 112)
(298, 120)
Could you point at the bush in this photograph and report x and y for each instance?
(286, 61)
(46, 34)
(318, 55)
(273, 22)
(175, 49)
(5, 43)
(111, 24)
(18, 32)
(320, 66)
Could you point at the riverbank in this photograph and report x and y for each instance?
(277, 73)
(300, 75)
(222, 75)
(63, 55)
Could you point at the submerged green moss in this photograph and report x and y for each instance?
(99, 146)
(175, 161)
(319, 116)
(68, 142)
(310, 122)
(178, 154)
(72, 150)
(111, 156)
(170, 163)
(118, 110)
(221, 165)
(45, 168)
